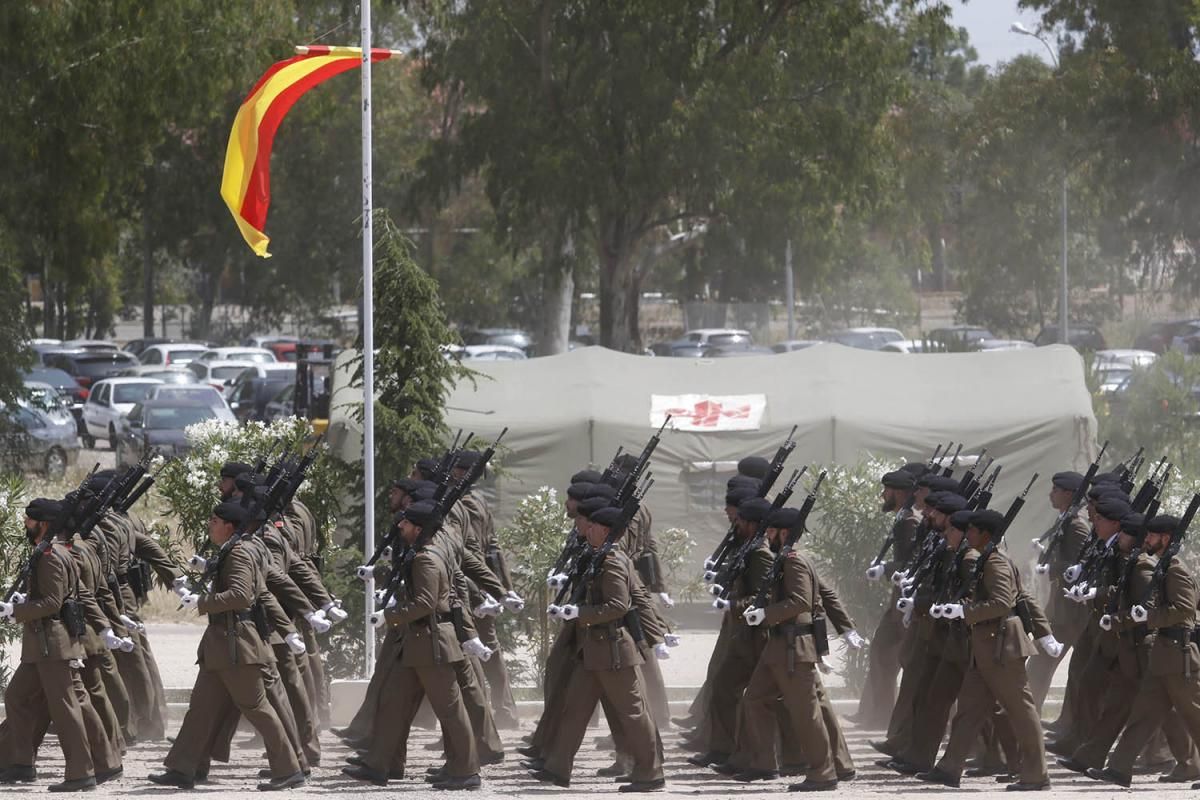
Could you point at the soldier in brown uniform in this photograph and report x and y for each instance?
(609, 659)
(1163, 616)
(1069, 619)
(427, 654)
(787, 669)
(999, 647)
(883, 656)
(46, 684)
(234, 660)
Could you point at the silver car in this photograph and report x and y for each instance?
(34, 441)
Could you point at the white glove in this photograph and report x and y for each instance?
(720, 604)
(179, 583)
(906, 620)
(709, 564)
(189, 600)
(295, 643)
(716, 590)
(1052, 646)
(1042, 569)
(899, 577)
(825, 668)
(318, 622)
(111, 640)
(558, 580)
(875, 572)
(709, 576)
(569, 612)
(376, 619)
(513, 602)
(671, 639)
(935, 611)
(952, 611)
(17, 598)
(1090, 594)
(334, 613)
(662, 652)
(391, 603)
(1106, 622)
(853, 640)
(181, 590)
(1038, 544)
(904, 604)
(362, 572)
(754, 616)
(379, 595)
(6, 610)
(665, 597)
(387, 553)
(1139, 614)
(127, 645)
(1072, 573)
(475, 647)
(198, 562)
(132, 624)
(488, 608)
(553, 611)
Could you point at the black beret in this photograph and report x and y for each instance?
(96, 484)
(606, 516)
(1134, 524)
(427, 467)
(1106, 477)
(1113, 506)
(936, 483)
(1162, 523)
(754, 509)
(988, 520)
(578, 491)
(616, 479)
(754, 467)
(587, 506)
(426, 491)
(231, 511)
(735, 496)
(742, 482)
(43, 509)
(1069, 481)
(783, 518)
(1099, 490)
(626, 461)
(602, 490)
(587, 476)
(959, 520)
(915, 468)
(407, 485)
(946, 502)
(898, 480)
(467, 459)
(232, 469)
(424, 514)
(248, 480)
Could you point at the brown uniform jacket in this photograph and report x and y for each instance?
(91, 588)
(1171, 615)
(291, 564)
(789, 618)
(996, 632)
(231, 639)
(44, 637)
(423, 610)
(957, 645)
(145, 548)
(603, 640)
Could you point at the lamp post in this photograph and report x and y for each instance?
(1063, 289)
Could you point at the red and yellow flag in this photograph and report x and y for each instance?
(246, 183)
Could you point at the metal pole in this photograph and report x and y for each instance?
(789, 280)
(1064, 335)
(368, 339)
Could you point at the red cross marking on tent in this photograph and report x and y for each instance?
(708, 413)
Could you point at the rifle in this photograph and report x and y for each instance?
(629, 485)
(1128, 470)
(1151, 486)
(1054, 532)
(713, 563)
(730, 573)
(1014, 508)
(20, 583)
(793, 536)
(968, 484)
(949, 470)
(890, 539)
(583, 577)
(1171, 552)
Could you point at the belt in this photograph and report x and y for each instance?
(220, 618)
(1179, 634)
(794, 628)
(123, 578)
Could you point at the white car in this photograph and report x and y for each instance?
(492, 352)
(716, 336)
(164, 374)
(219, 374)
(259, 355)
(90, 345)
(194, 393)
(866, 338)
(996, 345)
(107, 404)
(1125, 358)
(178, 354)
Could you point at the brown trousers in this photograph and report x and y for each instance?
(932, 714)
(1156, 698)
(560, 662)
(117, 694)
(728, 686)
(92, 676)
(362, 724)
(316, 681)
(799, 691)
(883, 667)
(469, 674)
(218, 695)
(504, 707)
(400, 698)
(626, 711)
(52, 691)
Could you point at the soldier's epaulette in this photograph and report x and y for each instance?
(792, 554)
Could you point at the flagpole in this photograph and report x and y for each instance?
(368, 339)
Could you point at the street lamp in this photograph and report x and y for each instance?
(1063, 336)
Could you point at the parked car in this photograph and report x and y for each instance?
(715, 337)
(286, 351)
(164, 374)
(178, 353)
(259, 355)
(794, 344)
(31, 440)
(136, 346)
(265, 341)
(737, 351)
(50, 401)
(199, 392)
(1113, 377)
(1082, 336)
(509, 336)
(866, 338)
(960, 337)
(914, 346)
(87, 368)
(250, 391)
(219, 374)
(158, 426)
(1158, 337)
(109, 401)
(281, 405)
(90, 345)
(493, 352)
(995, 345)
(65, 384)
(1123, 357)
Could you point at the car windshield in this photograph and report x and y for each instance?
(48, 400)
(176, 418)
(721, 339)
(225, 373)
(54, 377)
(171, 376)
(867, 341)
(131, 392)
(197, 394)
(97, 366)
(258, 358)
(183, 356)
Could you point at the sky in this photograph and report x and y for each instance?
(987, 22)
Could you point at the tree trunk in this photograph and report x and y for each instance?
(937, 251)
(147, 279)
(616, 268)
(558, 288)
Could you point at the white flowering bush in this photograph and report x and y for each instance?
(14, 495)
(675, 546)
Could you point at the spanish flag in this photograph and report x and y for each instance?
(246, 183)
